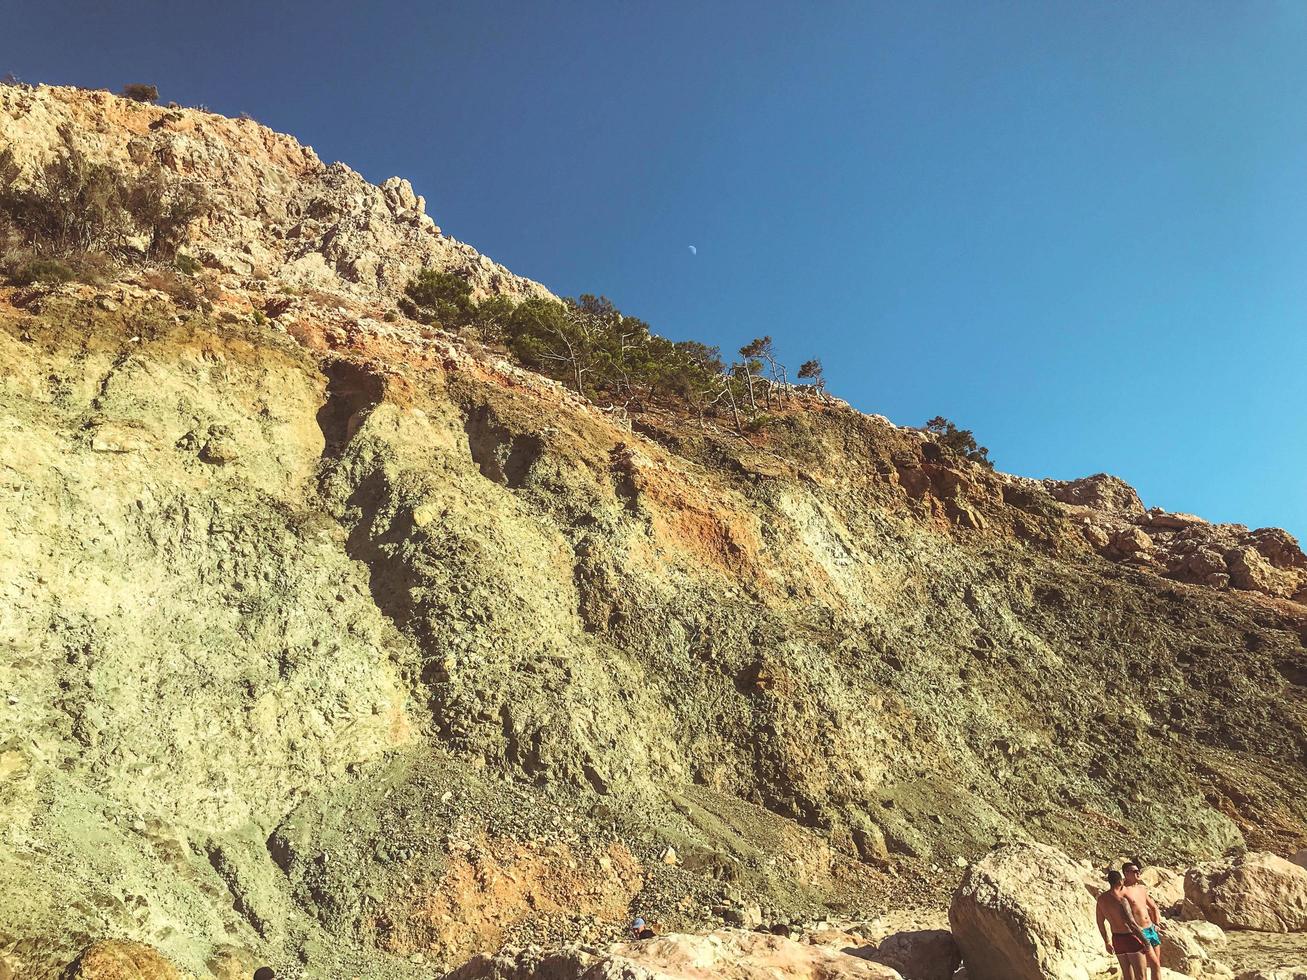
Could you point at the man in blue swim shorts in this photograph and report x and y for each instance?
(1146, 914)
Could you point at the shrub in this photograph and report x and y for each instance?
(140, 93)
(442, 298)
(164, 207)
(67, 205)
(958, 442)
(71, 205)
(589, 345)
(24, 267)
(175, 287)
(186, 264)
(42, 270)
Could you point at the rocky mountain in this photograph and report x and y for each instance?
(343, 642)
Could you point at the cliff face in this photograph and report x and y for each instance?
(330, 639)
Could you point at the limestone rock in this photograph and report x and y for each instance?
(1300, 858)
(1101, 492)
(1131, 540)
(1256, 890)
(1292, 973)
(1158, 518)
(727, 954)
(1183, 951)
(279, 211)
(121, 959)
(1209, 934)
(919, 954)
(1250, 570)
(1165, 886)
(1022, 913)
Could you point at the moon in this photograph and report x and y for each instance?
(693, 250)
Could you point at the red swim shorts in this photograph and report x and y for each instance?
(1128, 942)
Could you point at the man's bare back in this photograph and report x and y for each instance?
(1126, 938)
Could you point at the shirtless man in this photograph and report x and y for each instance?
(1126, 939)
(1146, 914)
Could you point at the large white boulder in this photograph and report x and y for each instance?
(1023, 913)
(1181, 949)
(1166, 887)
(1256, 890)
(1209, 934)
(1185, 950)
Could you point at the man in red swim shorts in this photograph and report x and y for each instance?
(1127, 939)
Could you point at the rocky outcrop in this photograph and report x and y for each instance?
(278, 214)
(1184, 951)
(119, 959)
(1100, 492)
(1183, 547)
(918, 954)
(723, 955)
(1252, 891)
(1022, 913)
(1250, 570)
(1166, 888)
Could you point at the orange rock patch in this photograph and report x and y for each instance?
(498, 884)
(122, 959)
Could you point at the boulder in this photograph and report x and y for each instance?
(121, 959)
(1097, 536)
(1256, 890)
(1158, 518)
(918, 954)
(1292, 973)
(728, 954)
(1023, 913)
(1205, 562)
(1166, 887)
(1250, 571)
(1100, 491)
(1300, 858)
(1184, 951)
(1181, 949)
(1279, 547)
(1209, 934)
(1131, 540)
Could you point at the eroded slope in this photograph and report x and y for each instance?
(310, 643)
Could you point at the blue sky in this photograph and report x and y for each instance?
(1078, 229)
